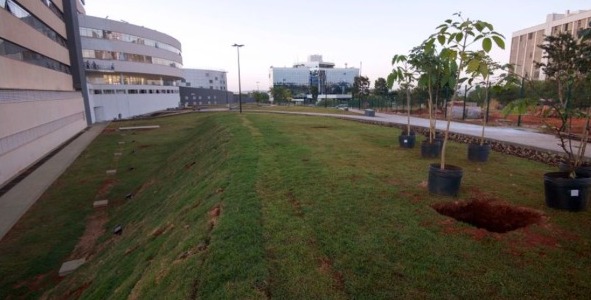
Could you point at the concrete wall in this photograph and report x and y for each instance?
(31, 127)
(106, 107)
(204, 96)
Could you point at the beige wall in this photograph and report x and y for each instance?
(13, 29)
(49, 18)
(19, 116)
(18, 160)
(28, 76)
(524, 51)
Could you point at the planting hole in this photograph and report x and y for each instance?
(494, 217)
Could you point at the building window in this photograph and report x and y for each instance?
(53, 9)
(122, 56)
(124, 37)
(17, 52)
(530, 35)
(21, 13)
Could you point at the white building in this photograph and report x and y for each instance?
(330, 82)
(205, 79)
(524, 43)
(130, 70)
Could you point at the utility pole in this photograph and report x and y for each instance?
(239, 85)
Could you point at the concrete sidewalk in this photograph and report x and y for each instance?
(16, 202)
(512, 135)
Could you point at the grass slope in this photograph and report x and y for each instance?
(277, 206)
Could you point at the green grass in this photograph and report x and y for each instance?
(309, 208)
(297, 108)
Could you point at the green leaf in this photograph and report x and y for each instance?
(486, 44)
(390, 80)
(479, 26)
(441, 39)
(499, 41)
(473, 66)
(483, 70)
(459, 37)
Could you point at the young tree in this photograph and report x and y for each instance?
(380, 87)
(458, 39)
(280, 94)
(568, 65)
(432, 68)
(314, 92)
(260, 97)
(406, 75)
(361, 88)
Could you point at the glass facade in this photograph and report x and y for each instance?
(18, 11)
(122, 56)
(14, 51)
(299, 80)
(118, 36)
(131, 79)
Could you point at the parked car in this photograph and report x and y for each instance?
(344, 107)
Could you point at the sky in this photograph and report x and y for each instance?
(364, 34)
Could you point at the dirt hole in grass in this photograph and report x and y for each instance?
(214, 215)
(485, 214)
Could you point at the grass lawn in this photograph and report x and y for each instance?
(229, 205)
(297, 108)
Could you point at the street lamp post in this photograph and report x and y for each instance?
(239, 84)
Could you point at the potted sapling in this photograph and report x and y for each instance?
(427, 61)
(405, 75)
(483, 68)
(459, 39)
(568, 66)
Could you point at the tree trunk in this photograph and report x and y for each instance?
(408, 111)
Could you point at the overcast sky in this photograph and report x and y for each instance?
(278, 33)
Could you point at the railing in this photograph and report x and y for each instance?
(92, 65)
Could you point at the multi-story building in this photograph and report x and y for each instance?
(41, 82)
(524, 43)
(205, 79)
(130, 70)
(302, 78)
(201, 87)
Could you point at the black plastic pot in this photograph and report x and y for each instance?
(430, 150)
(563, 192)
(440, 137)
(478, 153)
(445, 182)
(407, 140)
(584, 170)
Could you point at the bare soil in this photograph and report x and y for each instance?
(488, 215)
(95, 227)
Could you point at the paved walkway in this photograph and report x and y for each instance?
(517, 136)
(16, 202)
